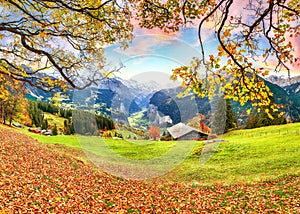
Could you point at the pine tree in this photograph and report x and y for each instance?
(45, 124)
(231, 120)
(54, 130)
(224, 117)
(219, 118)
(36, 114)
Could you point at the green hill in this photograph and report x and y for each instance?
(245, 156)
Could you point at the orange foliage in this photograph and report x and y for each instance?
(154, 132)
(202, 126)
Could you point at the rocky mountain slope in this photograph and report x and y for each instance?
(120, 99)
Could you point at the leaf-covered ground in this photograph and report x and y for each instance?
(36, 178)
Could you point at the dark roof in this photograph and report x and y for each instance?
(180, 129)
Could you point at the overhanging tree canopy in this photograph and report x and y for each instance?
(69, 36)
(249, 33)
(64, 36)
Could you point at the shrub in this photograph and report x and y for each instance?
(197, 151)
(163, 138)
(54, 129)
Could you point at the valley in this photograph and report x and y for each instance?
(131, 103)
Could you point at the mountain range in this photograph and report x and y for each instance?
(120, 99)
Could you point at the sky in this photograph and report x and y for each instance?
(153, 51)
(159, 52)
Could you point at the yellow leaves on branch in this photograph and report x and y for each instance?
(221, 51)
(71, 35)
(189, 75)
(226, 33)
(280, 114)
(248, 111)
(43, 34)
(108, 74)
(3, 94)
(243, 86)
(239, 47)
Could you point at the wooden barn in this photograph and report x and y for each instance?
(181, 131)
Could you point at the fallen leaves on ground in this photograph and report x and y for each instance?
(36, 178)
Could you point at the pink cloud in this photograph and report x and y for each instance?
(296, 45)
(143, 31)
(146, 44)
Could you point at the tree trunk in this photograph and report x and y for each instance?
(2, 112)
(10, 120)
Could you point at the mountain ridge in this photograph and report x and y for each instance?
(121, 98)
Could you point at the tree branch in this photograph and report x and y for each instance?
(200, 27)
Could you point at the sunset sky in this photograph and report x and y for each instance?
(156, 51)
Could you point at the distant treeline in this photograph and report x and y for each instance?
(52, 109)
(47, 107)
(261, 119)
(81, 122)
(87, 123)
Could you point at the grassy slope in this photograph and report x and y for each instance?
(248, 155)
(53, 119)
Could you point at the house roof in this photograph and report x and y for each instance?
(180, 129)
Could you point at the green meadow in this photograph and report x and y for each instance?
(242, 156)
(248, 155)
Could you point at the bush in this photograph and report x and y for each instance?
(163, 138)
(197, 151)
(107, 134)
(54, 129)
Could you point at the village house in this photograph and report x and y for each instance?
(181, 131)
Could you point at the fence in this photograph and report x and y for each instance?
(268, 133)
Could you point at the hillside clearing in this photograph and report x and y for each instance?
(247, 156)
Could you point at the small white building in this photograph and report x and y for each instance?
(181, 131)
